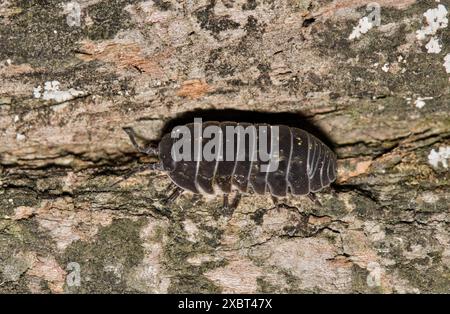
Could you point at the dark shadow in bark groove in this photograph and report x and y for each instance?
(290, 119)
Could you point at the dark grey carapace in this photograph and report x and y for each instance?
(305, 165)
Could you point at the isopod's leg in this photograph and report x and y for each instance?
(314, 199)
(152, 166)
(196, 198)
(174, 195)
(229, 208)
(170, 188)
(225, 204)
(333, 190)
(236, 200)
(274, 200)
(279, 205)
(150, 150)
(334, 193)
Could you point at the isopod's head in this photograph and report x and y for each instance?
(165, 156)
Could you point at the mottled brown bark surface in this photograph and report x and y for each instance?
(381, 99)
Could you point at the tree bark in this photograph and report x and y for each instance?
(72, 75)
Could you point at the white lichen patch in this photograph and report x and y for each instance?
(52, 91)
(416, 251)
(435, 20)
(20, 137)
(5, 63)
(375, 274)
(191, 230)
(420, 101)
(429, 198)
(149, 275)
(433, 46)
(363, 27)
(439, 157)
(447, 63)
(374, 231)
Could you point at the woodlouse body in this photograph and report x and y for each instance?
(305, 165)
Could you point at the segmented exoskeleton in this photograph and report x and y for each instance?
(304, 164)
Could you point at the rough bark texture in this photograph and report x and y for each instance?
(381, 99)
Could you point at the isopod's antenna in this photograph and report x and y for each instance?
(175, 192)
(151, 149)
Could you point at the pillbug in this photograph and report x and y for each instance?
(304, 165)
